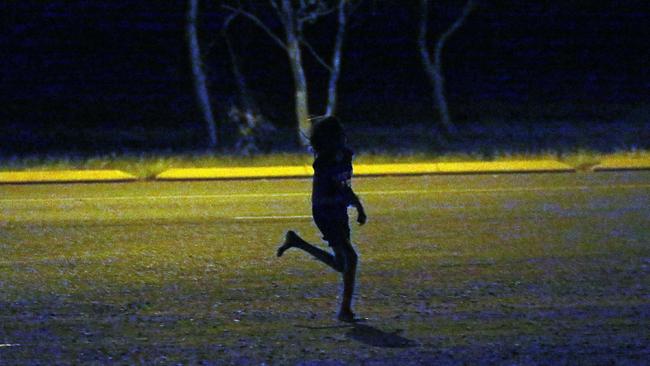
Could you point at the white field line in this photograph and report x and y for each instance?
(278, 217)
(304, 194)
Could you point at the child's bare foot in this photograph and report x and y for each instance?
(290, 240)
(346, 316)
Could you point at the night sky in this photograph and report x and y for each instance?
(122, 67)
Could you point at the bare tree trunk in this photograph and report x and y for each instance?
(336, 61)
(244, 95)
(302, 105)
(293, 15)
(434, 68)
(250, 112)
(299, 78)
(200, 86)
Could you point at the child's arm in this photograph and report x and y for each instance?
(356, 202)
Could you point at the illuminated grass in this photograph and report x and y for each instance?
(519, 276)
(147, 166)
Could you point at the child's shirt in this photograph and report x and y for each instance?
(331, 175)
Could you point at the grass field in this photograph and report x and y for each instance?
(510, 269)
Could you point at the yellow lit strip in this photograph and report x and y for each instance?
(232, 173)
(65, 176)
(369, 170)
(623, 164)
(464, 167)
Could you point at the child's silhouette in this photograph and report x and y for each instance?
(331, 195)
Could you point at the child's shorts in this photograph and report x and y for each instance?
(333, 222)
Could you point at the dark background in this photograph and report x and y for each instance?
(100, 76)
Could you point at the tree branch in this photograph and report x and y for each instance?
(260, 24)
(226, 23)
(315, 54)
(279, 12)
(469, 6)
(312, 15)
(422, 36)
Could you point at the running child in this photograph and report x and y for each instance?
(331, 196)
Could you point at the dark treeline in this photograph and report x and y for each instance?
(114, 75)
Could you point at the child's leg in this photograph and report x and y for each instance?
(350, 258)
(293, 240)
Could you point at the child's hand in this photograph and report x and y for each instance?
(361, 218)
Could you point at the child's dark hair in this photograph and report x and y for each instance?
(326, 134)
